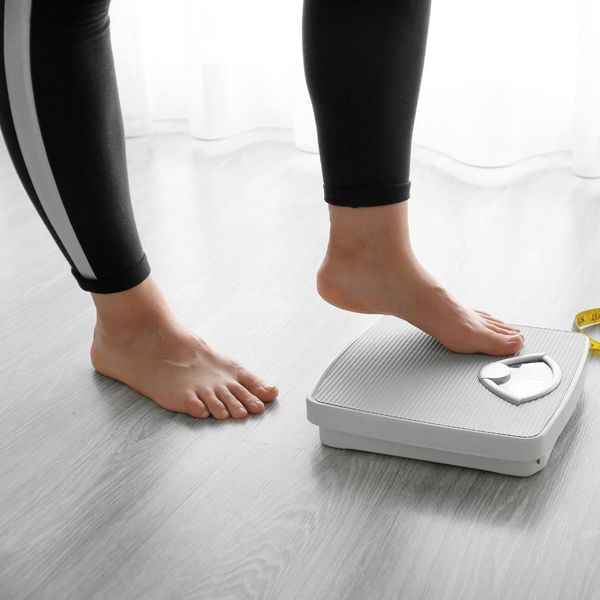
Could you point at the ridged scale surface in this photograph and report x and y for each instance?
(396, 370)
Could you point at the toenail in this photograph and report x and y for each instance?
(268, 388)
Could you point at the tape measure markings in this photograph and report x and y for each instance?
(585, 318)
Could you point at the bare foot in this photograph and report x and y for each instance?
(155, 355)
(370, 268)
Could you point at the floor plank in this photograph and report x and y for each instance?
(104, 495)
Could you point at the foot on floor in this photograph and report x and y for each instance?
(178, 370)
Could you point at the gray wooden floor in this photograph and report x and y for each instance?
(104, 495)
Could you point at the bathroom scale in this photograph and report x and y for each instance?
(396, 390)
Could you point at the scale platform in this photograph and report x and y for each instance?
(396, 390)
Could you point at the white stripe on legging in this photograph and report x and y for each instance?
(17, 18)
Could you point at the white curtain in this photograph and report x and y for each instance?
(503, 79)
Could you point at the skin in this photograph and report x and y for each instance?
(369, 267)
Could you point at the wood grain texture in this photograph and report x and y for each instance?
(104, 495)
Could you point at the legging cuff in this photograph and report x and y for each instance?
(375, 195)
(115, 283)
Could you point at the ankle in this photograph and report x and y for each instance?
(383, 253)
(141, 306)
(372, 233)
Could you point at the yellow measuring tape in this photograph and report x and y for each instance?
(591, 316)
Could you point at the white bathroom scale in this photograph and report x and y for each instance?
(396, 390)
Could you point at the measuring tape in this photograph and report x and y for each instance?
(591, 316)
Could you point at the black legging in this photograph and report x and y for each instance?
(61, 119)
(363, 61)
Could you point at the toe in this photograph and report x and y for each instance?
(249, 400)
(502, 344)
(214, 405)
(502, 324)
(490, 319)
(257, 386)
(194, 406)
(233, 405)
(501, 328)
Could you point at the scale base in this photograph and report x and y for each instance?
(395, 390)
(350, 441)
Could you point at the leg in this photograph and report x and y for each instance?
(363, 62)
(61, 120)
